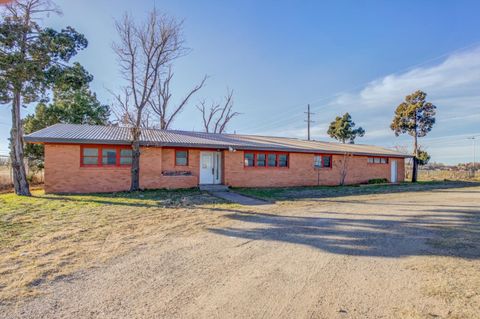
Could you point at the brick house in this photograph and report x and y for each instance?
(86, 158)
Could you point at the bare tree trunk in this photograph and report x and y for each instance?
(144, 51)
(135, 176)
(20, 181)
(344, 169)
(415, 160)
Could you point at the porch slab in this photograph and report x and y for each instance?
(213, 188)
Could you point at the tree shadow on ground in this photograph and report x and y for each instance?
(443, 232)
(194, 197)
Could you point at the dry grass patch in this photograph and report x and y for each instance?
(453, 281)
(46, 237)
(5, 181)
(439, 175)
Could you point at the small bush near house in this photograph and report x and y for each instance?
(377, 181)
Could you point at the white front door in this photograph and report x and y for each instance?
(210, 167)
(393, 171)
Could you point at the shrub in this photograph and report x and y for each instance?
(377, 181)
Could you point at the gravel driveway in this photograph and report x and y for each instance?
(408, 255)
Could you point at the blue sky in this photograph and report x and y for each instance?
(357, 56)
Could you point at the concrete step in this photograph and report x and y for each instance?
(239, 198)
(213, 188)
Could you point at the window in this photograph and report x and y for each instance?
(181, 158)
(317, 161)
(327, 161)
(125, 157)
(109, 156)
(322, 161)
(248, 159)
(283, 160)
(272, 160)
(377, 160)
(261, 160)
(90, 156)
(265, 159)
(105, 156)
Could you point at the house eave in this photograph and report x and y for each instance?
(31, 139)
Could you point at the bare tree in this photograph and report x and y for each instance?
(144, 51)
(217, 116)
(125, 116)
(161, 101)
(344, 162)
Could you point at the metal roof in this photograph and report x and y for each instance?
(96, 134)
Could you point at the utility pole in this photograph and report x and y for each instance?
(473, 168)
(309, 121)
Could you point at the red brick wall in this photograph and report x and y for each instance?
(302, 173)
(168, 164)
(63, 173)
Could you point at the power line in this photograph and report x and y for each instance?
(281, 118)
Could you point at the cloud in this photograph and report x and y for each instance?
(453, 85)
(456, 77)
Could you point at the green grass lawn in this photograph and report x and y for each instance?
(45, 237)
(296, 193)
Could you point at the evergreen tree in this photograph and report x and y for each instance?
(423, 157)
(32, 58)
(72, 106)
(415, 116)
(343, 129)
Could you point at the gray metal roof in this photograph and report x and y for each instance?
(96, 134)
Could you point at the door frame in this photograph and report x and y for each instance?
(393, 171)
(217, 166)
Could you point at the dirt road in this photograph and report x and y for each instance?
(409, 255)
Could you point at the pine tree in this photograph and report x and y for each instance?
(343, 129)
(415, 116)
(31, 59)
